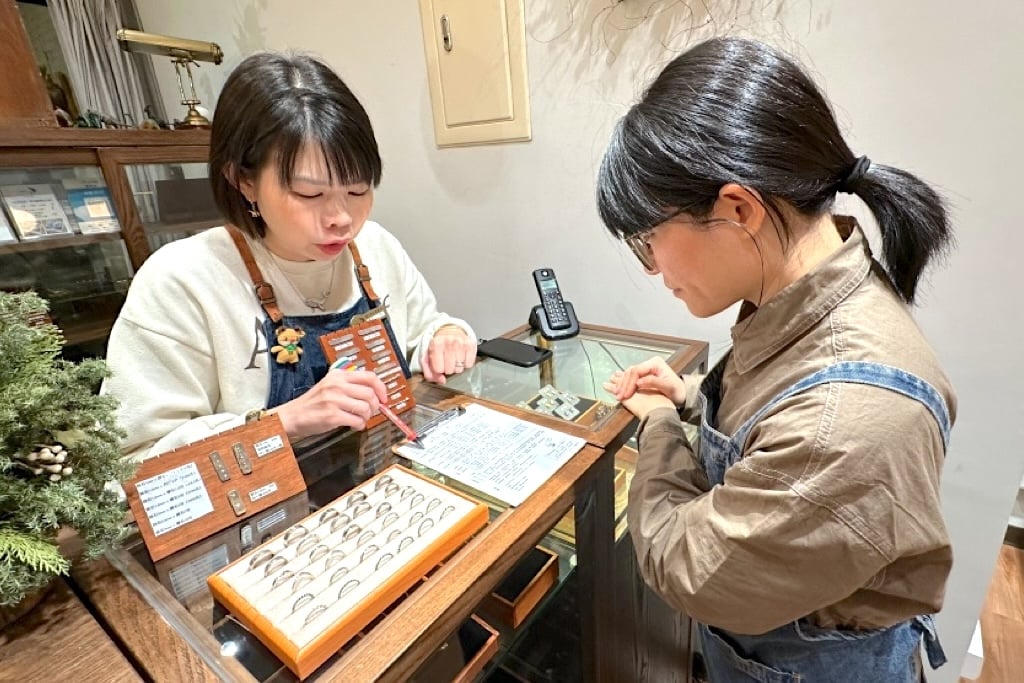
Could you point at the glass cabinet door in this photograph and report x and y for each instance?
(174, 200)
(60, 237)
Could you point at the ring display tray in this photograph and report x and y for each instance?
(309, 590)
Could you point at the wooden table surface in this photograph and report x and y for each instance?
(60, 640)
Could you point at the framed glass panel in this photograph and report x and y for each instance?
(60, 237)
(174, 200)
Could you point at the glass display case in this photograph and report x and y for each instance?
(174, 200)
(80, 211)
(409, 636)
(332, 466)
(556, 556)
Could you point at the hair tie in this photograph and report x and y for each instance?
(854, 176)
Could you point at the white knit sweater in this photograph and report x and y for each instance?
(187, 352)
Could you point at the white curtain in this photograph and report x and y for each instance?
(103, 76)
(106, 81)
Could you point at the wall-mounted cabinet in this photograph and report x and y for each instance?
(85, 208)
(476, 66)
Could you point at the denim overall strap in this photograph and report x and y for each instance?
(290, 380)
(861, 372)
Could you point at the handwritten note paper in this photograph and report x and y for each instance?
(500, 455)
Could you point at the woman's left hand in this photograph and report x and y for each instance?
(451, 351)
(642, 401)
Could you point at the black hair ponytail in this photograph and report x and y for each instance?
(912, 219)
(731, 110)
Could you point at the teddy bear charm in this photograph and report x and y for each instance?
(288, 347)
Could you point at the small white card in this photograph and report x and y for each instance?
(6, 232)
(174, 498)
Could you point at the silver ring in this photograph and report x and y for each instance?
(303, 600)
(334, 558)
(295, 534)
(460, 364)
(282, 578)
(273, 564)
(314, 613)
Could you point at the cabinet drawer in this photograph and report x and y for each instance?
(524, 587)
(462, 656)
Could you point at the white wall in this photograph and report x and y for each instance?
(933, 86)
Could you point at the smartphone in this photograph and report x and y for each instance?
(512, 351)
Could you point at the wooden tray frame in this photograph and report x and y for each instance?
(278, 468)
(305, 660)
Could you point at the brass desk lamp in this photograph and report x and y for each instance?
(183, 52)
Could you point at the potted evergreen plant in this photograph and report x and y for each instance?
(58, 453)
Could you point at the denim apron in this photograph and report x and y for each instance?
(291, 380)
(800, 651)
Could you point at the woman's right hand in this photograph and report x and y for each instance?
(651, 376)
(340, 399)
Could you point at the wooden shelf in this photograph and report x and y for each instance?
(86, 332)
(47, 243)
(95, 137)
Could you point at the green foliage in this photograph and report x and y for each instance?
(46, 400)
(32, 551)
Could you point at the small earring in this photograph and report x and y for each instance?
(253, 211)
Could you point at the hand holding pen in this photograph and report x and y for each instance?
(348, 364)
(340, 399)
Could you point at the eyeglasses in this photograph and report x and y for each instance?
(640, 245)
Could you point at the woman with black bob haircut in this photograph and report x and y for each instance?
(805, 534)
(223, 327)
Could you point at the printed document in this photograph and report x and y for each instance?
(500, 455)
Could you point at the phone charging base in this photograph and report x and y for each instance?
(539, 322)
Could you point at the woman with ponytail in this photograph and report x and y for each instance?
(803, 531)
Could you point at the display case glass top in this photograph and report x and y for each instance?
(568, 388)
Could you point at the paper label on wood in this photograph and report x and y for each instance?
(174, 498)
(268, 446)
(262, 491)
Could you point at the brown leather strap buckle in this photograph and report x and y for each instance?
(362, 273)
(268, 300)
(265, 293)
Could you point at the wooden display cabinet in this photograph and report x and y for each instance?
(85, 276)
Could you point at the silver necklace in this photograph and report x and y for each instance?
(315, 304)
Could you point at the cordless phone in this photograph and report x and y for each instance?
(555, 317)
(551, 298)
